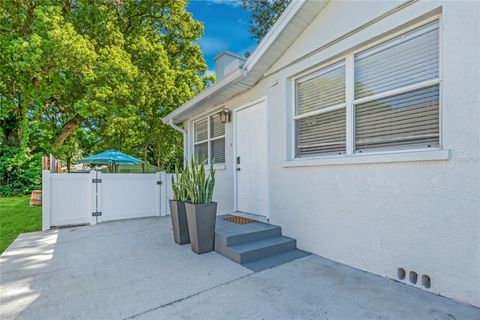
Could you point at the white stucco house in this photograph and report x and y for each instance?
(355, 126)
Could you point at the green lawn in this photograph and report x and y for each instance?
(16, 216)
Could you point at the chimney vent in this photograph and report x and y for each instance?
(226, 63)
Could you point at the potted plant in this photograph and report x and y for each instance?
(201, 211)
(177, 207)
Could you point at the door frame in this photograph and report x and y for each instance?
(234, 156)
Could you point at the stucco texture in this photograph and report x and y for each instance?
(423, 216)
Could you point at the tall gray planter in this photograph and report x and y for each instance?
(201, 226)
(179, 222)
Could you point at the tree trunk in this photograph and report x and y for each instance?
(67, 130)
(145, 150)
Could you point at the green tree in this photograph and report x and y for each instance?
(264, 13)
(79, 76)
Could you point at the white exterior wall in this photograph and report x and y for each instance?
(423, 216)
(223, 193)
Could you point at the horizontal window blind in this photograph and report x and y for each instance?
(393, 100)
(322, 89)
(321, 134)
(200, 129)
(218, 151)
(410, 118)
(209, 139)
(405, 60)
(201, 150)
(317, 130)
(217, 128)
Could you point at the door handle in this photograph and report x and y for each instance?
(238, 169)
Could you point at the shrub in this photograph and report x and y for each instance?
(20, 173)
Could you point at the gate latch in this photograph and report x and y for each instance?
(96, 213)
(159, 182)
(96, 180)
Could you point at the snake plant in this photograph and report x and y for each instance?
(179, 185)
(200, 184)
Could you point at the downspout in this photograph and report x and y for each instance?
(184, 132)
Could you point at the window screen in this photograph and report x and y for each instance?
(209, 139)
(217, 128)
(201, 130)
(408, 59)
(320, 90)
(201, 151)
(323, 133)
(218, 151)
(397, 120)
(409, 118)
(320, 112)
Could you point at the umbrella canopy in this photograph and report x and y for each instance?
(110, 157)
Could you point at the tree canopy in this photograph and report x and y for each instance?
(80, 76)
(264, 13)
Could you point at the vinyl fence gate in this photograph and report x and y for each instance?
(95, 197)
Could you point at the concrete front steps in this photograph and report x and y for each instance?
(257, 246)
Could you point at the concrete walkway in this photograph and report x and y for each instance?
(133, 270)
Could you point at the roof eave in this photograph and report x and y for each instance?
(178, 114)
(254, 67)
(273, 34)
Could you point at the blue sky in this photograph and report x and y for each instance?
(226, 28)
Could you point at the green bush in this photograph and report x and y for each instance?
(20, 172)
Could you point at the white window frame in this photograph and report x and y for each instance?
(209, 138)
(343, 105)
(351, 156)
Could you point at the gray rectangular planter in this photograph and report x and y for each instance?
(179, 222)
(201, 226)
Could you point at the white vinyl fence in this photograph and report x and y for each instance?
(90, 198)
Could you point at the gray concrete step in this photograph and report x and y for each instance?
(256, 245)
(228, 233)
(275, 260)
(249, 236)
(260, 249)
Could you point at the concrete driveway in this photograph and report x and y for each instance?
(132, 270)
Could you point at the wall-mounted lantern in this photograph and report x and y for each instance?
(224, 115)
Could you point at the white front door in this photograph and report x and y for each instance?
(251, 159)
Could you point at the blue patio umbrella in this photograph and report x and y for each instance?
(111, 158)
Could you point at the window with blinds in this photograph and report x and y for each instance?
(209, 139)
(201, 151)
(200, 133)
(320, 112)
(385, 97)
(409, 118)
(397, 92)
(217, 138)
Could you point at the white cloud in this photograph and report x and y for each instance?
(233, 3)
(209, 72)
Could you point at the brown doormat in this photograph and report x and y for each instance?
(239, 220)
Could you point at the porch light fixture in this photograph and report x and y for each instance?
(224, 115)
